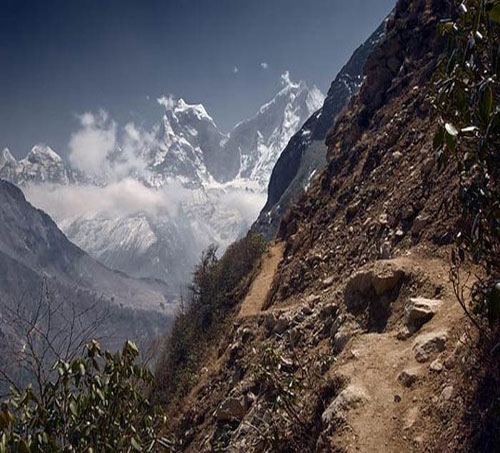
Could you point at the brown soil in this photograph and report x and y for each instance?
(257, 295)
(397, 418)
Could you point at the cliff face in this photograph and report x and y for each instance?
(305, 154)
(348, 335)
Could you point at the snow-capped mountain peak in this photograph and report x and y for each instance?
(196, 110)
(216, 181)
(42, 164)
(6, 157)
(260, 140)
(43, 155)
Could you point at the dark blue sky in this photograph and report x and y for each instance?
(59, 58)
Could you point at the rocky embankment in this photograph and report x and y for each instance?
(350, 337)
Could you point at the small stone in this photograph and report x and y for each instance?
(447, 393)
(281, 325)
(353, 208)
(341, 339)
(352, 397)
(287, 365)
(270, 321)
(428, 344)
(383, 219)
(399, 233)
(419, 224)
(306, 310)
(428, 166)
(328, 281)
(313, 299)
(410, 418)
(403, 334)
(436, 366)
(230, 409)
(449, 363)
(408, 377)
(385, 250)
(328, 311)
(246, 335)
(295, 335)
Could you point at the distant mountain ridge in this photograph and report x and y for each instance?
(55, 290)
(211, 169)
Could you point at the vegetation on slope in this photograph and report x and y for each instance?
(468, 83)
(201, 321)
(94, 403)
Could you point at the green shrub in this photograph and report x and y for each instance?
(467, 102)
(95, 403)
(209, 302)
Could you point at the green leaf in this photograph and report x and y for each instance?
(438, 138)
(72, 408)
(495, 13)
(494, 304)
(451, 130)
(450, 136)
(485, 103)
(135, 444)
(24, 447)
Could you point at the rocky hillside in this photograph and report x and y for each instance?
(349, 337)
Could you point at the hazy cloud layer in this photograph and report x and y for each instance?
(117, 199)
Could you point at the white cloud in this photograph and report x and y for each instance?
(264, 65)
(100, 149)
(168, 101)
(93, 143)
(236, 70)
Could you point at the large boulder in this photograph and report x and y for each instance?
(383, 278)
(352, 397)
(419, 310)
(426, 345)
(372, 290)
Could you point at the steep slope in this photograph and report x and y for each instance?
(30, 237)
(355, 344)
(305, 155)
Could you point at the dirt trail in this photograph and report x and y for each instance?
(256, 297)
(394, 418)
